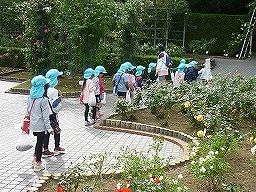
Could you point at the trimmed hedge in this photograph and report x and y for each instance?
(14, 57)
(113, 62)
(210, 26)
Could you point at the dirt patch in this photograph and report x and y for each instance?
(243, 171)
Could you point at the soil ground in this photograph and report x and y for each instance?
(242, 173)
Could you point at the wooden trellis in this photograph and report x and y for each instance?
(164, 27)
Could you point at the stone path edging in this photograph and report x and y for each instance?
(178, 138)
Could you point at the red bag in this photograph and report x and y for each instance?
(81, 97)
(25, 125)
(26, 121)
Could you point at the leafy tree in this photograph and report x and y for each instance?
(85, 23)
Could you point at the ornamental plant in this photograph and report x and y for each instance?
(146, 172)
(75, 176)
(209, 158)
(84, 24)
(122, 107)
(40, 33)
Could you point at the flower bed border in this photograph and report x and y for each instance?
(176, 137)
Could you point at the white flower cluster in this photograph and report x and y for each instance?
(253, 149)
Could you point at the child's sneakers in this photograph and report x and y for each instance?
(38, 166)
(58, 150)
(87, 123)
(34, 160)
(47, 153)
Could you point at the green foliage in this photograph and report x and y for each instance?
(40, 34)
(219, 6)
(146, 172)
(209, 26)
(75, 176)
(172, 49)
(201, 46)
(12, 57)
(12, 42)
(220, 105)
(122, 107)
(72, 178)
(232, 187)
(85, 23)
(210, 157)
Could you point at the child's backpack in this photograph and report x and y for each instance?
(168, 60)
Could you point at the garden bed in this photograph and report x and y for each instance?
(243, 169)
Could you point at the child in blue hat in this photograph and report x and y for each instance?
(87, 89)
(139, 79)
(99, 85)
(54, 95)
(120, 81)
(38, 107)
(152, 72)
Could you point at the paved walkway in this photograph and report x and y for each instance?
(16, 173)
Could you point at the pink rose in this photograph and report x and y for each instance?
(36, 43)
(18, 37)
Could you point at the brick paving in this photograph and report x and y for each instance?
(16, 173)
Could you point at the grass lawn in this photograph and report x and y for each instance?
(65, 85)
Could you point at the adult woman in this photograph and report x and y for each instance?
(39, 115)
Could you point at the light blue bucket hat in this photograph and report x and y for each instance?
(129, 65)
(139, 70)
(37, 89)
(123, 68)
(192, 63)
(99, 69)
(53, 74)
(150, 66)
(88, 73)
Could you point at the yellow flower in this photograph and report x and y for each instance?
(199, 117)
(209, 136)
(200, 134)
(251, 139)
(187, 104)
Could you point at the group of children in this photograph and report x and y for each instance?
(128, 79)
(93, 85)
(43, 103)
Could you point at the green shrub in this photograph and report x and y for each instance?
(12, 57)
(11, 42)
(209, 26)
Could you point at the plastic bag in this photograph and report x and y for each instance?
(115, 90)
(24, 143)
(92, 99)
(128, 96)
(172, 76)
(104, 98)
